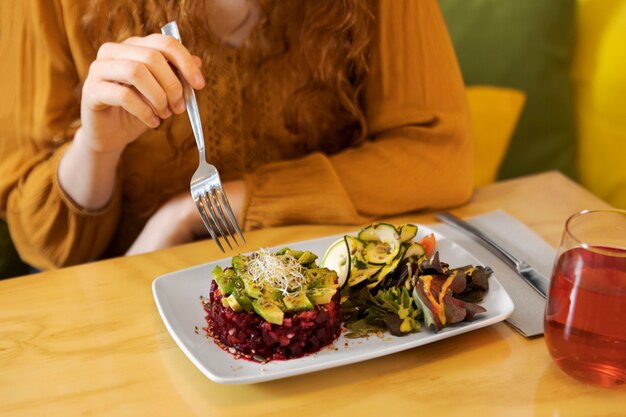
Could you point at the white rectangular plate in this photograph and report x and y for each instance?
(177, 297)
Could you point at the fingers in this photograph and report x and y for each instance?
(136, 74)
(156, 52)
(155, 65)
(140, 76)
(175, 53)
(118, 95)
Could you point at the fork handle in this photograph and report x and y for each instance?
(194, 118)
(191, 103)
(493, 247)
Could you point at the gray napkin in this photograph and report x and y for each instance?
(522, 242)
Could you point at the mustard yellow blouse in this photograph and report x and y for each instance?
(418, 153)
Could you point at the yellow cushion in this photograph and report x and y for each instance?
(494, 112)
(599, 70)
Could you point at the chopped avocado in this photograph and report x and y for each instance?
(322, 285)
(306, 258)
(272, 294)
(253, 289)
(330, 278)
(240, 263)
(225, 279)
(315, 276)
(269, 310)
(261, 280)
(234, 304)
(282, 251)
(297, 302)
(319, 296)
(244, 301)
(295, 253)
(322, 278)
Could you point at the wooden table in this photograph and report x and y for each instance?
(88, 340)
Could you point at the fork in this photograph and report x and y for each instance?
(206, 187)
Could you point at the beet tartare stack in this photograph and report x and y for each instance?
(270, 306)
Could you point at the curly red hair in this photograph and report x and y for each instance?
(325, 42)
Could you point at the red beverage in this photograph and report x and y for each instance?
(585, 321)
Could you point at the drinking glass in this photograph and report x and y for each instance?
(585, 318)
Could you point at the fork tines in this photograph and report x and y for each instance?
(218, 216)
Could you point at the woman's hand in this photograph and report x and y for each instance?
(131, 86)
(178, 221)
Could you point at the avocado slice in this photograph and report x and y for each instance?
(240, 263)
(269, 310)
(319, 296)
(225, 279)
(294, 253)
(297, 302)
(252, 289)
(233, 303)
(306, 258)
(330, 278)
(322, 278)
(242, 299)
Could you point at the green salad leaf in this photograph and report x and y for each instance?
(390, 309)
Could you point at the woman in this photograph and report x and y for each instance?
(314, 112)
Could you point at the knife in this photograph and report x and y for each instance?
(534, 278)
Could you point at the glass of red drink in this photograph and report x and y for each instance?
(585, 318)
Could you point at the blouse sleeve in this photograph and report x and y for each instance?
(419, 151)
(39, 109)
